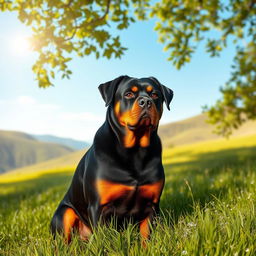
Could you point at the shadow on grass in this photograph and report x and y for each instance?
(14, 193)
(211, 174)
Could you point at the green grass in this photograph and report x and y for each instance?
(208, 208)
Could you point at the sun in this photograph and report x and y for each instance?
(20, 45)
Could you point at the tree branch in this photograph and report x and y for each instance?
(72, 36)
(67, 4)
(90, 23)
(100, 18)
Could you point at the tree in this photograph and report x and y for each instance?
(64, 26)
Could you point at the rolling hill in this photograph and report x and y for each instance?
(19, 149)
(195, 129)
(71, 143)
(68, 161)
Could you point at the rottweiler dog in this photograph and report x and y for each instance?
(121, 175)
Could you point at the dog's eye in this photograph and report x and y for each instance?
(154, 95)
(129, 95)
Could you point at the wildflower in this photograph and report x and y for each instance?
(191, 224)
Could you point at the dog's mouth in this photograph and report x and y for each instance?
(145, 122)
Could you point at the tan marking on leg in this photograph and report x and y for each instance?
(69, 220)
(84, 231)
(144, 231)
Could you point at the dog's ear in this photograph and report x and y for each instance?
(167, 92)
(108, 89)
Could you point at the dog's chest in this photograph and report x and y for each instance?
(122, 200)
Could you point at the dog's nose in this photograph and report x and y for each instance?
(145, 102)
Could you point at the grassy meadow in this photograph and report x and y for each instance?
(208, 207)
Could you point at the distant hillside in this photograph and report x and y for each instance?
(75, 144)
(69, 161)
(184, 157)
(195, 129)
(19, 149)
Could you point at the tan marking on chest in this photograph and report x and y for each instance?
(109, 191)
(130, 117)
(152, 191)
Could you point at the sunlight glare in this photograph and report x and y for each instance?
(20, 45)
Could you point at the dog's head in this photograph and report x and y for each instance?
(137, 106)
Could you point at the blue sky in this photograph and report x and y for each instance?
(74, 108)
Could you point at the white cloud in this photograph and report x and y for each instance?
(25, 100)
(28, 100)
(27, 114)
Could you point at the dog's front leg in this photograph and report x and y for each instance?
(144, 225)
(145, 231)
(94, 211)
(144, 228)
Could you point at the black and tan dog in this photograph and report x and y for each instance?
(121, 174)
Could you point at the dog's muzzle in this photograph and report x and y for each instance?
(145, 102)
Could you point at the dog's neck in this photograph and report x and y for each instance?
(110, 139)
(108, 144)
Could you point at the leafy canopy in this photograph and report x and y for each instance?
(61, 27)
